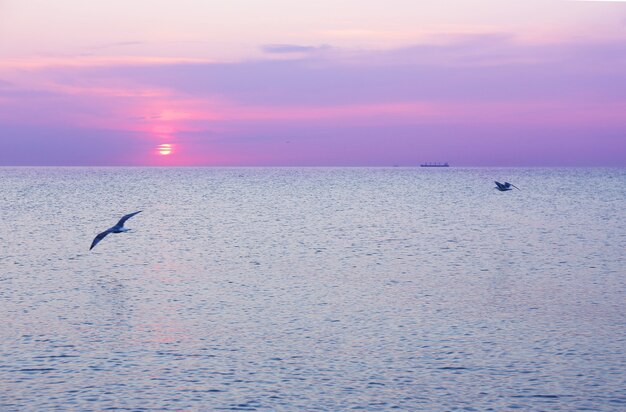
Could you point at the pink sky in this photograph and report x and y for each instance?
(341, 82)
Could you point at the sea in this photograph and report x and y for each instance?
(305, 289)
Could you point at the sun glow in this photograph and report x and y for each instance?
(165, 149)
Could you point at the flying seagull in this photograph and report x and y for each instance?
(503, 187)
(118, 228)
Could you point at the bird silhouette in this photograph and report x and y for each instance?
(503, 187)
(118, 228)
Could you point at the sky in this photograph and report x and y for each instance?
(323, 83)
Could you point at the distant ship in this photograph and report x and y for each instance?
(435, 164)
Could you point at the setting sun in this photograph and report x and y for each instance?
(165, 149)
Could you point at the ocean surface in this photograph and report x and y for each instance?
(313, 289)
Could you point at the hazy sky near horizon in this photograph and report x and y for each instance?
(330, 82)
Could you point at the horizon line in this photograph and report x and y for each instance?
(322, 166)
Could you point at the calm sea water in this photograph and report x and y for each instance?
(313, 289)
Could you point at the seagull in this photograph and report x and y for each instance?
(118, 228)
(503, 187)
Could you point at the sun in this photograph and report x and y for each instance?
(165, 149)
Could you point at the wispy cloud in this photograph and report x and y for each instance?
(88, 61)
(291, 48)
(117, 45)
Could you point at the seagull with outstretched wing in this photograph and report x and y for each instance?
(503, 187)
(118, 228)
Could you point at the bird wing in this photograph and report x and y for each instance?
(516, 187)
(125, 218)
(500, 185)
(98, 238)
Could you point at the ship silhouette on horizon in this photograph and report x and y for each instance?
(435, 164)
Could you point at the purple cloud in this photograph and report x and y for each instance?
(478, 68)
